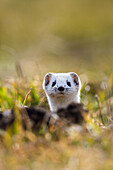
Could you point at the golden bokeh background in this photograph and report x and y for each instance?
(58, 36)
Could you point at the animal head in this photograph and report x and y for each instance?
(61, 84)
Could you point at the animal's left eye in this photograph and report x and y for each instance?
(68, 83)
(53, 84)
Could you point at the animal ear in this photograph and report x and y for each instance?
(47, 79)
(75, 78)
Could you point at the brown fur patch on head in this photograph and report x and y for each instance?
(52, 95)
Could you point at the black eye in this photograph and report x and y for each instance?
(68, 83)
(53, 84)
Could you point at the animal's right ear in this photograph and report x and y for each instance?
(46, 79)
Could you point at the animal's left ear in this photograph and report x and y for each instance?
(75, 78)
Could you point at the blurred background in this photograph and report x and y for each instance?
(56, 36)
(40, 36)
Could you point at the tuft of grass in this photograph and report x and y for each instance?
(60, 146)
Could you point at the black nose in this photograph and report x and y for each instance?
(61, 88)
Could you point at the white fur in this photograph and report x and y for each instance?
(57, 100)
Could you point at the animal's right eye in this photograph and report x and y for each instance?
(53, 84)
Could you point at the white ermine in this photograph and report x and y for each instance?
(61, 89)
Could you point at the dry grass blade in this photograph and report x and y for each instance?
(27, 96)
(19, 70)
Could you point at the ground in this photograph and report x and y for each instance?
(86, 145)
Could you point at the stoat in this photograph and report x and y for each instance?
(61, 89)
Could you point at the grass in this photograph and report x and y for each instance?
(58, 36)
(75, 147)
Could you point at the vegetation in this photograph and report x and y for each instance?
(59, 36)
(61, 147)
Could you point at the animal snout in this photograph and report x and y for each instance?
(61, 88)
